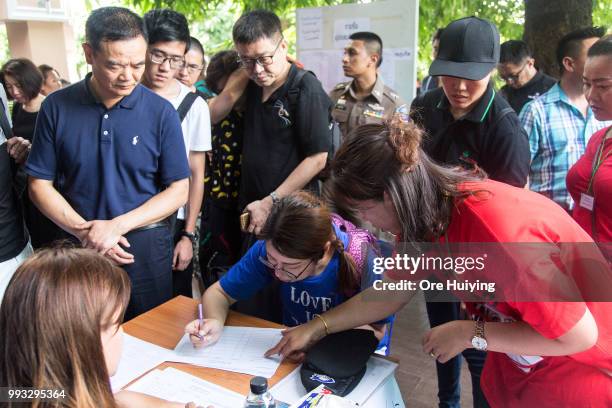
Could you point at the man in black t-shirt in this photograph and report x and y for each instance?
(523, 81)
(14, 241)
(286, 122)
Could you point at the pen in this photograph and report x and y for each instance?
(201, 320)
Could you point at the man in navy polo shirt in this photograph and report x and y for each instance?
(108, 163)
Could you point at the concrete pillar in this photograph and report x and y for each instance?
(39, 30)
(44, 43)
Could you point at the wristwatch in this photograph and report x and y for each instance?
(275, 197)
(190, 235)
(479, 342)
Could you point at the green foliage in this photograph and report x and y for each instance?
(5, 54)
(212, 20)
(602, 13)
(508, 15)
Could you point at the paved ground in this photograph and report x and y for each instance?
(417, 373)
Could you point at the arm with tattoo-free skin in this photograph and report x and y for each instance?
(299, 177)
(444, 341)
(183, 251)
(105, 235)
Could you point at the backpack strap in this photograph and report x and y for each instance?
(293, 95)
(185, 105)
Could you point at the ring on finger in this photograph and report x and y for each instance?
(431, 354)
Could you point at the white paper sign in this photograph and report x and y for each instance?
(327, 66)
(398, 54)
(343, 28)
(310, 26)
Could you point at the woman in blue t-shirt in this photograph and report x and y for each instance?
(311, 252)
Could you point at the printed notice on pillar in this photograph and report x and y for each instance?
(343, 28)
(310, 29)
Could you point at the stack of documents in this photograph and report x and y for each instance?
(177, 386)
(240, 349)
(137, 358)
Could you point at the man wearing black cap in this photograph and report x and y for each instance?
(469, 124)
(467, 121)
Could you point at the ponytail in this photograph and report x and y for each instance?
(348, 275)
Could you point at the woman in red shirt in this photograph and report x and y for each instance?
(589, 181)
(544, 354)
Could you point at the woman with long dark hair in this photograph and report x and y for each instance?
(539, 353)
(60, 323)
(320, 260)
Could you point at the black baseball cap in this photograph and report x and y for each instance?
(338, 361)
(469, 48)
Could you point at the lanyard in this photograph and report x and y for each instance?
(599, 160)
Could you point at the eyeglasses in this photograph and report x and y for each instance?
(263, 61)
(513, 77)
(159, 58)
(193, 68)
(291, 275)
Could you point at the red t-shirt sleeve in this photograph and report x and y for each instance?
(550, 319)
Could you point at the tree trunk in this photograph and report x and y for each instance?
(546, 21)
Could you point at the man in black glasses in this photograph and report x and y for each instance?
(287, 132)
(287, 118)
(168, 42)
(523, 81)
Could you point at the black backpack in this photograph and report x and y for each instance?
(335, 135)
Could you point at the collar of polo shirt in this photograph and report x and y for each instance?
(89, 98)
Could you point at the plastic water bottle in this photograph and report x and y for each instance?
(259, 396)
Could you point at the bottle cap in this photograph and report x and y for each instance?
(259, 385)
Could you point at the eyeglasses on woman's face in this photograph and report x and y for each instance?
(279, 267)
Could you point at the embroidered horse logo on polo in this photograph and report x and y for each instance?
(135, 140)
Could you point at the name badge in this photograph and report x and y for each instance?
(587, 201)
(374, 114)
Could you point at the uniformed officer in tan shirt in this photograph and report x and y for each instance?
(365, 99)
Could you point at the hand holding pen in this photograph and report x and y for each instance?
(204, 332)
